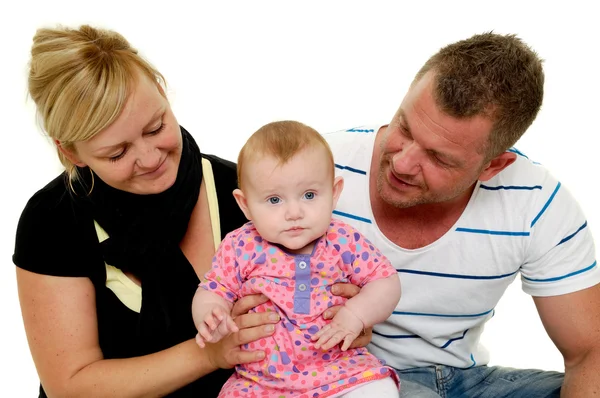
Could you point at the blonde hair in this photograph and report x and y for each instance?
(282, 140)
(80, 80)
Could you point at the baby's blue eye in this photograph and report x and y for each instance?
(309, 195)
(274, 200)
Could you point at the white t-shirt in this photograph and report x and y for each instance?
(521, 221)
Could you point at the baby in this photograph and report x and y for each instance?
(292, 251)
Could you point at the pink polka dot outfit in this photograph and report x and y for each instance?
(299, 289)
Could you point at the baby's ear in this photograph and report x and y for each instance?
(242, 203)
(338, 187)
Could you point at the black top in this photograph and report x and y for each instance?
(54, 237)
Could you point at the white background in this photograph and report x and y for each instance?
(234, 66)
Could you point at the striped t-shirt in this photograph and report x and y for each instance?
(521, 221)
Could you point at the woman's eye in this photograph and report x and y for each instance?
(158, 130)
(274, 200)
(119, 156)
(309, 195)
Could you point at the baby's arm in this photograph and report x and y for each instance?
(212, 317)
(375, 302)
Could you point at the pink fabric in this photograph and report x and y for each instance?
(246, 264)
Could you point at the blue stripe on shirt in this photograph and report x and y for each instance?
(573, 234)
(358, 171)
(546, 205)
(443, 315)
(397, 336)
(355, 130)
(510, 187)
(562, 277)
(352, 216)
(456, 276)
(489, 232)
(515, 150)
(455, 339)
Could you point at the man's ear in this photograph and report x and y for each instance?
(338, 187)
(242, 203)
(497, 164)
(69, 154)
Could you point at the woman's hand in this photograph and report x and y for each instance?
(227, 353)
(348, 290)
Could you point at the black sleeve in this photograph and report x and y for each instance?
(225, 173)
(53, 236)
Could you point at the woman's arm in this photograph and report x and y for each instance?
(60, 319)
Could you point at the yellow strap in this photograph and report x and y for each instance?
(213, 203)
(127, 291)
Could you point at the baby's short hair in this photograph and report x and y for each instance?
(282, 140)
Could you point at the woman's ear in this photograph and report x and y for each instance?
(69, 154)
(242, 203)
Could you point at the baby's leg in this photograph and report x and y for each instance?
(382, 388)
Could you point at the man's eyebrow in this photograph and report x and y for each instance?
(445, 157)
(402, 120)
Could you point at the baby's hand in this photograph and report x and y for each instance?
(344, 326)
(217, 324)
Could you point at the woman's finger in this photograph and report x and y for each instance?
(248, 335)
(256, 319)
(245, 304)
(240, 356)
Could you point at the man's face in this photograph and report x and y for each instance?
(426, 156)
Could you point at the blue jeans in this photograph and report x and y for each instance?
(480, 381)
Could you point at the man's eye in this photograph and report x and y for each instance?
(274, 200)
(309, 195)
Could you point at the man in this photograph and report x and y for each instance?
(460, 213)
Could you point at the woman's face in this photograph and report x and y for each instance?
(140, 151)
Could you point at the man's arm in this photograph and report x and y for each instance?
(573, 323)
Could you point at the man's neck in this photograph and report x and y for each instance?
(417, 226)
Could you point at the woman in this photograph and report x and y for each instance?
(109, 253)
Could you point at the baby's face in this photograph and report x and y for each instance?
(291, 204)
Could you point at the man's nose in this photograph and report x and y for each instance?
(407, 159)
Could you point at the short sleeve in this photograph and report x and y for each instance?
(561, 256)
(224, 276)
(366, 263)
(53, 237)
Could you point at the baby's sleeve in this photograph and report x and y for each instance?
(224, 276)
(364, 262)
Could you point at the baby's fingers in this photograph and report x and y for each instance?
(200, 341)
(231, 325)
(205, 332)
(348, 340)
(211, 321)
(331, 341)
